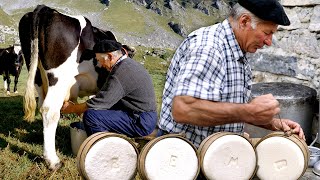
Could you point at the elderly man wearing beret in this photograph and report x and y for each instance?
(126, 102)
(208, 83)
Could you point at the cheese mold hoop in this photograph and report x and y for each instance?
(226, 155)
(107, 155)
(169, 156)
(281, 156)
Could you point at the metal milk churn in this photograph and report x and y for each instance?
(297, 102)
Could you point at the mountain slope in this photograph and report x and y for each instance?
(134, 22)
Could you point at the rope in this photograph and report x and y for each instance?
(286, 133)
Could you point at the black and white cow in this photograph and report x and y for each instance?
(53, 45)
(11, 62)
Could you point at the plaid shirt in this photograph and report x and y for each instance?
(210, 65)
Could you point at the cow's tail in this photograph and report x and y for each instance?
(29, 97)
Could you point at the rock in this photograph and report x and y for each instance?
(177, 28)
(139, 2)
(300, 2)
(301, 42)
(276, 64)
(294, 19)
(155, 9)
(304, 13)
(106, 2)
(315, 20)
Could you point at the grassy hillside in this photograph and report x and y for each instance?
(132, 24)
(5, 19)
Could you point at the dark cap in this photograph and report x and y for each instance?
(268, 10)
(105, 46)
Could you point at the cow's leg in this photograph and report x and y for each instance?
(50, 123)
(16, 79)
(5, 84)
(8, 80)
(41, 95)
(50, 110)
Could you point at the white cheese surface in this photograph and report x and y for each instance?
(279, 158)
(229, 157)
(111, 158)
(171, 158)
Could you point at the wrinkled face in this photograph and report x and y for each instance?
(104, 60)
(258, 37)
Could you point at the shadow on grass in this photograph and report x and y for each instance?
(13, 125)
(21, 151)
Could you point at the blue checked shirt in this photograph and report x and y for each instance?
(210, 65)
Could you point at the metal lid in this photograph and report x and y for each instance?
(281, 90)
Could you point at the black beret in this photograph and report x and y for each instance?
(105, 46)
(268, 10)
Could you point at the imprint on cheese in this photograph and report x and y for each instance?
(115, 163)
(173, 160)
(233, 161)
(280, 165)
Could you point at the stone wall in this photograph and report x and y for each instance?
(295, 54)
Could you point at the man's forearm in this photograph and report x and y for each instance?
(69, 107)
(80, 108)
(199, 112)
(190, 110)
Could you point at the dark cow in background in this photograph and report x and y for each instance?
(54, 46)
(11, 62)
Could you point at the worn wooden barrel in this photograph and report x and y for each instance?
(281, 156)
(226, 155)
(107, 155)
(169, 156)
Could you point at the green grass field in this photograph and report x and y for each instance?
(21, 142)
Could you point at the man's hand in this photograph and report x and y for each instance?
(67, 107)
(261, 110)
(288, 126)
(70, 107)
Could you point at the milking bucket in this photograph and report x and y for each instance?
(77, 135)
(169, 156)
(297, 102)
(281, 156)
(107, 155)
(227, 156)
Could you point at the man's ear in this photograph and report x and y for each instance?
(105, 56)
(244, 21)
(110, 56)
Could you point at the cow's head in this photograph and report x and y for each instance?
(100, 34)
(10, 49)
(10, 54)
(19, 61)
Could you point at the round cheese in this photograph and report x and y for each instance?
(229, 157)
(111, 158)
(171, 158)
(279, 158)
